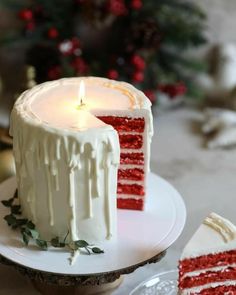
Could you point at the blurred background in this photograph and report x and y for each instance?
(142, 42)
(181, 53)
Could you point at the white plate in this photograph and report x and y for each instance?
(141, 235)
(164, 283)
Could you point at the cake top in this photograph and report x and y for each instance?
(55, 103)
(215, 234)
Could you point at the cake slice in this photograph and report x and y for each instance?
(208, 262)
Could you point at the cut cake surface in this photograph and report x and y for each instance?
(133, 160)
(208, 262)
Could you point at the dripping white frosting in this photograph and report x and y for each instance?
(216, 234)
(64, 175)
(221, 225)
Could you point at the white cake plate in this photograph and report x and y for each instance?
(143, 236)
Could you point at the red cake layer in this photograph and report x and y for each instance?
(132, 158)
(124, 123)
(230, 290)
(131, 141)
(131, 174)
(130, 189)
(130, 204)
(207, 261)
(208, 277)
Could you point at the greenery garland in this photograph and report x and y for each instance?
(29, 232)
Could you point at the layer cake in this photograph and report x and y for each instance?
(208, 262)
(68, 174)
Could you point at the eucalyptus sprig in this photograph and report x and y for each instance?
(29, 232)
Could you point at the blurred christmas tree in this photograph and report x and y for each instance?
(138, 41)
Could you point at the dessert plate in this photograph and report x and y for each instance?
(141, 235)
(164, 283)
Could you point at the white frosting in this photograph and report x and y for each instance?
(215, 235)
(135, 197)
(66, 173)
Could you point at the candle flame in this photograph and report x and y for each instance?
(81, 94)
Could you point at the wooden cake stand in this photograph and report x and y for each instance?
(143, 238)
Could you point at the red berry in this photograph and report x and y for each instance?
(138, 77)
(30, 26)
(76, 42)
(112, 74)
(117, 7)
(150, 94)
(26, 14)
(136, 4)
(53, 33)
(138, 62)
(173, 90)
(54, 72)
(181, 88)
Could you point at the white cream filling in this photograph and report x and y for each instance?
(198, 289)
(130, 166)
(205, 270)
(135, 197)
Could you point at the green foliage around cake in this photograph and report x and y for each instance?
(29, 232)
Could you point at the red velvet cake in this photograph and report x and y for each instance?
(208, 262)
(134, 160)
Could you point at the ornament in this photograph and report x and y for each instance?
(54, 72)
(70, 46)
(222, 124)
(136, 4)
(112, 74)
(26, 14)
(219, 84)
(52, 33)
(7, 165)
(138, 76)
(30, 75)
(138, 62)
(117, 7)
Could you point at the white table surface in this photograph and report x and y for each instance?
(205, 178)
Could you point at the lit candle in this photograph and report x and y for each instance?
(67, 158)
(81, 95)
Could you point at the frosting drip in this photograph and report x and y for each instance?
(36, 147)
(224, 227)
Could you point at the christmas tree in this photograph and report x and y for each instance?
(138, 41)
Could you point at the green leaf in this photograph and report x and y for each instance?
(55, 242)
(25, 238)
(34, 234)
(30, 225)
(10, 219)
(7, 203)
(97, 250)
(15, 209)
(81, 244)
(41, 244)
(20, 222)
